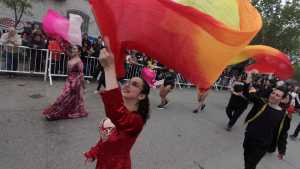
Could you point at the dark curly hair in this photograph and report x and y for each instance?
(144, 105)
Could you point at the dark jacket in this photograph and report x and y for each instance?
(238, 102)
(280, 137)
(262, 121)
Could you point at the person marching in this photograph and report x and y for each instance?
(281, 133)
(167, 87)
(237, 103)
(127, 111)
(70, 104)
(296, 132)
(295, 99)
(263, 120)
(100, 78)
(101, 75)
(202, 93)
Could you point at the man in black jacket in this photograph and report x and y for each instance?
(281, 133)
(262, 121)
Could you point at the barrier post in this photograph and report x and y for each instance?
(46, 64)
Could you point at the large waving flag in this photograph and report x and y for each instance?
(197, 38)
(56, 25)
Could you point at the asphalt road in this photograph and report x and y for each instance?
(174, 138)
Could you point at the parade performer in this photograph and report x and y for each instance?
(280, 139)
(202, 93)
(127, 111)
(167, 87)
(263, 120)
(70, 104)
(296, 132)
(237, 104)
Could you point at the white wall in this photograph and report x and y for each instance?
(40, 7)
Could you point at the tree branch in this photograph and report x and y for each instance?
(14, 5)
(21, 14)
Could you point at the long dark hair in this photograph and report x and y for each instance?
(144, 105)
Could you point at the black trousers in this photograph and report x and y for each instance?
(233, 114)
(101, 81)
(253, 153)
(296, 133)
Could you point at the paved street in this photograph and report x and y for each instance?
(173, 138)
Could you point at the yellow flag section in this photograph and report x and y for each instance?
(226, 11)
(215, 39)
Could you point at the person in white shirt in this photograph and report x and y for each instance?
(10, 41)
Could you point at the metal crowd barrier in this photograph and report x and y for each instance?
(24, 60)
(182, 82)
(91, 67)
(134, 70)
(222, 83)
(58, 66)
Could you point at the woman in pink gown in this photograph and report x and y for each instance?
(70, 104)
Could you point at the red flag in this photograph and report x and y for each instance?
(184, 38)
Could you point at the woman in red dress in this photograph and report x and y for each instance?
(127, 111)
(70, 104)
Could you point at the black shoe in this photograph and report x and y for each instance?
(202, 107)
(48, 118)
(195, 111)
(166, 102)
(228, 128)
(162, 105)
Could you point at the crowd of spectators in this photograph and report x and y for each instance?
(35, 39)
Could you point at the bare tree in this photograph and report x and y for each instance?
(19, 7)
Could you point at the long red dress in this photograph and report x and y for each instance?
(70, 104)
(113, 148)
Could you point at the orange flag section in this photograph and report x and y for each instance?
(181, 37)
